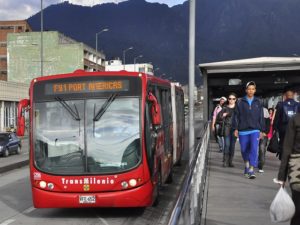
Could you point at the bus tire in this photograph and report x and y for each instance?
(157, 189)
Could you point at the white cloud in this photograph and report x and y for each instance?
(168, 2)
(21, 9)
(93, 2)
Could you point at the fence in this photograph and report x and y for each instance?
(188, 207)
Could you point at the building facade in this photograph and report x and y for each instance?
(61, 54)
(6, 27)
(116, 65)
(10, 92)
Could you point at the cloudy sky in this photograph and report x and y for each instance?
(22, 9)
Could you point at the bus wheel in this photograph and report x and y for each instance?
(157, 189)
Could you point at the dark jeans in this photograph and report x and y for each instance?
(220, 139)
(262, 152)
(281, 139)
(229, 144)
(296, 198)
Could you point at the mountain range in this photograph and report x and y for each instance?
(225, 30)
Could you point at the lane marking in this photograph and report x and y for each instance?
(101, 219)
(6, 222)
(29, 210)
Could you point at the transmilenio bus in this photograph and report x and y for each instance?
(102, 139)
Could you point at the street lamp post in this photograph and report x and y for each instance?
(104, 30)
(134, 60)
(124, 55)
(42, 29)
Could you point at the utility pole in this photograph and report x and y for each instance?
(42, 29)
(192, 28)
(103, 30)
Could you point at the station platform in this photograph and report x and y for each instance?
(233, 199)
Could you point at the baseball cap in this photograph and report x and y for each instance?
(250, 83)
(224, 98)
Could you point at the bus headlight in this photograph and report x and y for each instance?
(132, 182)
(43, 184)
(124, 184)
(51, 186)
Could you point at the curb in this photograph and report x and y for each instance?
(14, 166)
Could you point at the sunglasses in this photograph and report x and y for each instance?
(232, 98)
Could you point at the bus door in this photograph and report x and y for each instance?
(165, 96)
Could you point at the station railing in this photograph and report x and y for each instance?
(189, 204)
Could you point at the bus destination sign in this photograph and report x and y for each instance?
(86, 87)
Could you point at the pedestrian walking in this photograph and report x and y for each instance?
(248, 124)
(216, 125)
(284, 111)
(264, 141)
(227, 114)
(290, 163)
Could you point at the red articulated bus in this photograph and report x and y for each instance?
(102, 139)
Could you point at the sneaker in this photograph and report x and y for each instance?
(261, 171)
(246, 171)
(251, 175)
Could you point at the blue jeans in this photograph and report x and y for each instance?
(230, 144)
(220, 143)
(249, 147)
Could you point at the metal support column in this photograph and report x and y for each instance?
(2, 116)
(192, 28)
(205, 97)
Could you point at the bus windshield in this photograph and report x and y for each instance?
(71, 138)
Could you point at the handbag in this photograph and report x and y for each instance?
(282, 208)
(274, 146)
(294, 171)
(221, 130)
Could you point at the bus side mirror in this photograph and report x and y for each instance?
(155, 110)
(21, 118)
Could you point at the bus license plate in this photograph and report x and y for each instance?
(87, 199)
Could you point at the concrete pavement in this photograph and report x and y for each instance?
(15, 161)
(233, 199)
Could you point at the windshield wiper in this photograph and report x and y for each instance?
(73, 113)
(104, 107)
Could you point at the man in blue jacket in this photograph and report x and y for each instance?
(249, 124)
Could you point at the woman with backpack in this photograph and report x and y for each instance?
(248, 124)
(226, 115)
(215, 125)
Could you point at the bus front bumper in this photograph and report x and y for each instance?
(137, 197)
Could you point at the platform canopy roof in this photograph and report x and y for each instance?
(271, 74)
(252, 65)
